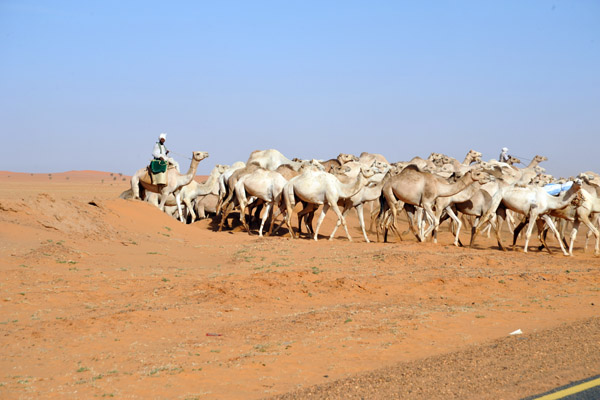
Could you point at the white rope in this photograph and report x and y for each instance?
(179, 154)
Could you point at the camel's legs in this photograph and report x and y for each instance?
(532, 219)
(320, 220)
(582, 216)
(178, 200)
(337, 211)
(135, 187)
(338, 222)
(430, 218)
(596, 223)
(361, 221)
(264, 218)
(289, 199)
(551, 225)
(458, 223)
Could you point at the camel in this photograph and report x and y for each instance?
(175, 181)
(421, 189)
(195, 189)
(227, 205)
(270, 159)
(534, 202)
(422, 164)
(452, 166)
(205, 204)
(507, 176)
(335, 162)
(530, 171)
(265, 185)
(588, 204)
(192, 190)
(445, 204)
(223, 182)
(319, 187)
(366, 194)
(367, 159)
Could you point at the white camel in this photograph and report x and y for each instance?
(587, 205)
(366, 194)
(175, 181)
(534, 202)
(194, 189)
(265, 185)
(319, 187)
(270, 159)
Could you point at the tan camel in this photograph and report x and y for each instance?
(445, 204)
(205, 204)
(421, 189)
(175, 181)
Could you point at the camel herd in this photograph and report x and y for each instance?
(430, 191)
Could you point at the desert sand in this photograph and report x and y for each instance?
(104, 297)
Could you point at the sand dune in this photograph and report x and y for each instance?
(110, 297)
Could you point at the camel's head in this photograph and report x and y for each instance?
(493, 170)
(513, 160)
(383, 167)
(539, 159)
(343, 158)
(220, 168)
(316, 164)
(313, 165)
(437, 158)
(588, 178)
(397, 167)
(340, 170)
(200, 155)
(481, 176)
(368, 172)
(474, 156)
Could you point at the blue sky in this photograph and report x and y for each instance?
(90, 85)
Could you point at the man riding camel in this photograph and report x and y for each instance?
(160, 151)
(504, 157)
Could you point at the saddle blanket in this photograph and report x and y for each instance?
(555, 188)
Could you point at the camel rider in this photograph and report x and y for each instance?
(160, 151)
(503, 155)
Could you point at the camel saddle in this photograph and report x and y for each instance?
(157, 173)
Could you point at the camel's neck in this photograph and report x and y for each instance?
(468, 160)
(450, 189)
(186, 178)
(351, 188)
(564, 199)
(212, 179)
(210, 184)
(467, 193)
